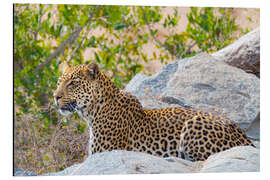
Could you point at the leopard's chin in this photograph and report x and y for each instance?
(65, 112)
(68, 109)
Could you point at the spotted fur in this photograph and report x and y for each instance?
(202, 137)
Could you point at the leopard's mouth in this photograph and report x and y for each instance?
(68, 108)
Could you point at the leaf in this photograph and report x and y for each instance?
(155, 55)
(97, 57)
(119, 27)
(154, 32)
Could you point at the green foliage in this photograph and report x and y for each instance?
(121, 34)
(211, 32)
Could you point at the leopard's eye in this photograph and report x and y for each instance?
(70, 84)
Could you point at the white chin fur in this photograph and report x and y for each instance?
(64, 112)
(55, 102)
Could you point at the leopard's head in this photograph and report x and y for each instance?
(77, 87)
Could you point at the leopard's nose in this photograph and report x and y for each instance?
(57, 97)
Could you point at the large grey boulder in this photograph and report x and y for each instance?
(237, 159)
(210, 85)
(204, 83)
(126, 162)
(243, 53)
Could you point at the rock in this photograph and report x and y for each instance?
(21, 172)
(237, 159)
(213, 86)
(126, 162)
(243, 53)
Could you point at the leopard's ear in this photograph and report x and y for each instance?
(64, 66)
(92, 70)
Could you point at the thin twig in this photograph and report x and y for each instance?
(153, 36)
(79, 45)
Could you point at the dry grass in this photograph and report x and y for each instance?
(39, 151)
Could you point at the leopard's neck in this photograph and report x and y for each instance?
(115, 106)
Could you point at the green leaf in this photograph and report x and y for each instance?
(97, 57)
(119, 27)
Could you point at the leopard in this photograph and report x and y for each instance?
(118, 121)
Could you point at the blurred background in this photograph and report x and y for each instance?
(124, 40)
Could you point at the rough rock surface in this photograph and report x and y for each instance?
(211, 85)
(243, 53)
(126, 162)
(238, 159)
(204, 83)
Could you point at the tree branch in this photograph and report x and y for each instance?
(60, 49)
